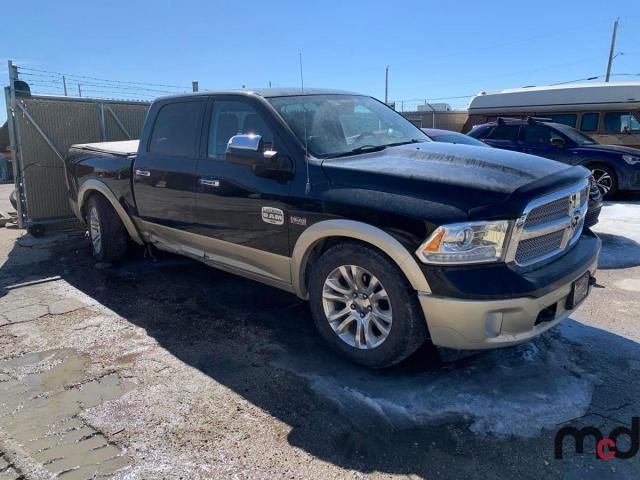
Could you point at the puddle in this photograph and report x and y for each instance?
(516, 391)
(41, 397)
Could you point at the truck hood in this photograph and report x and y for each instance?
(480, 181)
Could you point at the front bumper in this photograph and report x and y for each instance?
(475, 324)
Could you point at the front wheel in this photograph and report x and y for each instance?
(364, 307)
(606, 180)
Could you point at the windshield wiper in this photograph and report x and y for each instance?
(373, 148)
(362, 149)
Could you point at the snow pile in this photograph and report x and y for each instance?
(516, 391)
(619, 229)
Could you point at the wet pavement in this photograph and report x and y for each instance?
(167, 369)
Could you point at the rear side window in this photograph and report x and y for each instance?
(569, 119)
(620, 122)
(504, 132)
(589, 122)
(175, 130)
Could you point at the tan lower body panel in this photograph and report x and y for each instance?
(482, 324)
(265, 267)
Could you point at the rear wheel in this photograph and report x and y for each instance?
(364, 307)
(606, 180)
(108, 236)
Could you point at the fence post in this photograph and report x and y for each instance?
(14, 141)
(194, 85)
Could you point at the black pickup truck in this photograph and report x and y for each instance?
(394, 240)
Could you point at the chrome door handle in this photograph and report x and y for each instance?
(143, 173)
(208, 182)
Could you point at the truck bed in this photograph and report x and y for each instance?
(126, 147)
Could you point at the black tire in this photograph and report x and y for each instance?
(12, 199)
(408, 329)
(37, 230)
(113, 239)
(600, 170)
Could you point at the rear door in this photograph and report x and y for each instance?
(242, 216)
(503, 136)
(164, 173)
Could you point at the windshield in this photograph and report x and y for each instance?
(341, 125)
(576, 135)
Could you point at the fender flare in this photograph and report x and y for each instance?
(357, 231)
(93, 185)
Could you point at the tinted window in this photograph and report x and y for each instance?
(620, 122)
(175, 129)
(538, 134)
(504, 132)
(234, 117)
(589, 122)
(564, 118)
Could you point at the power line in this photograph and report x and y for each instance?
(86, 77)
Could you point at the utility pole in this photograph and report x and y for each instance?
(64, 84)
(79, 90)
(612, 49)
(386, 85)
(194, 85)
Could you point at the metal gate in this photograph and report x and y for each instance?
(41, 130)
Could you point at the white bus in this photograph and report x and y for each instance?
(607, 112)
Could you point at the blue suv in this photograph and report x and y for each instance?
(614, 168)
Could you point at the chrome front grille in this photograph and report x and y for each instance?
(548, 226)
(536, 247)
(548, 212)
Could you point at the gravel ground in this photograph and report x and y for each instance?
(171, 369)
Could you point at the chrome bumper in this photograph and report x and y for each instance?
(482, 324)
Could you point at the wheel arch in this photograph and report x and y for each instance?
(312, 240)
(92, 187)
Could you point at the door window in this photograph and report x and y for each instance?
(235, 117)
(175, 129)
(621, 122)
(538, 134)
(589, 122)
(504, 132)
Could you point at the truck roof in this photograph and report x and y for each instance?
(268, 92)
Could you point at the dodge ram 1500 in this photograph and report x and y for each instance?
(394, 240)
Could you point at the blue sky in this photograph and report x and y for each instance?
(434, 49)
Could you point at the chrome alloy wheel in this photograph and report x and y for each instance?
(603, 180)
(94, 231)
(357, 307)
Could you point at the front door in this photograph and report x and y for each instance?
(537, 139)
(242, 217)
(164, 170)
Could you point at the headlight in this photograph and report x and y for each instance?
(631, 159)
(459, 243)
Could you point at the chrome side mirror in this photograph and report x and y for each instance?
(246, 143)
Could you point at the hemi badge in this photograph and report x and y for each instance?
(298, 220)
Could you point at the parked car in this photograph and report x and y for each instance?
(607, 111)
(614, 168)
(393, 239)
(447, 136)
(595, 197)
